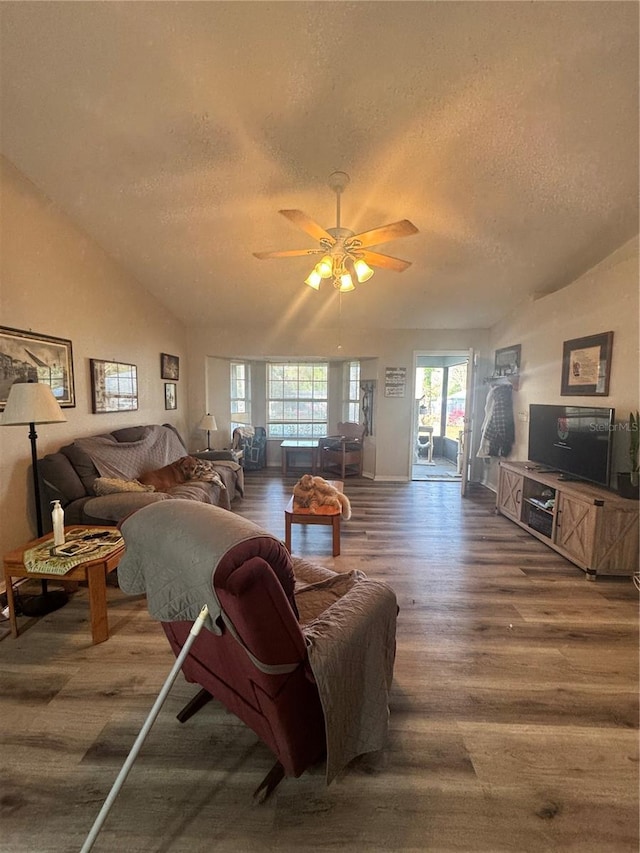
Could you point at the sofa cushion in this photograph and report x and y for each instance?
(81, 461)
(113, 486)
(134, 433)
(116, 507)
(60, 479)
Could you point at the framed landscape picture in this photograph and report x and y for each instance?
(169, 366)
(29, 356)
(114, 386)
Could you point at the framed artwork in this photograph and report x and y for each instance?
(586, 366)
(395, 381)
(170, 395)
(29, 356)
(169, 366)
(507, 361)
(114, 386)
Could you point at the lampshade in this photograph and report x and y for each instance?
(343, 268)
(31, 403)
(208, 422)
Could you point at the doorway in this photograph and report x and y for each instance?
(440, 402)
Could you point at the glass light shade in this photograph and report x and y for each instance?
(363, 270)
(314, 279)
(208, 422)
(325, 267)
(31, 403)
(346, 283)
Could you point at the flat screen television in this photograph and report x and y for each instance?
(574, 440)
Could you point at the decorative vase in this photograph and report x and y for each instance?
(627, 489)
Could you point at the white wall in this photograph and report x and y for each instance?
(56, 281)
(603, 299)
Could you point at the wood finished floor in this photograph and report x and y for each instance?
(513, 717)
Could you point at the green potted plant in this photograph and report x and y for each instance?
(629, 483)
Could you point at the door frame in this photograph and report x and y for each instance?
(467, 429)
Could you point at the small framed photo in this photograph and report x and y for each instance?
(586, 366)
(114, 386)
(169, 366)
(170, 395)
(31, 357)
(507, 361)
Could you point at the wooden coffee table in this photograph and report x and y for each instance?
(93, 571)
(324, 515)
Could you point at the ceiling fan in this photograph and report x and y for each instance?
(346, 256)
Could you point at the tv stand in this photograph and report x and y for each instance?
(592, 527)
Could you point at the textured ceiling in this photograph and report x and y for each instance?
(173, 133)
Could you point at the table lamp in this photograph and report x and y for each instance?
(33, 403)
(209, 424)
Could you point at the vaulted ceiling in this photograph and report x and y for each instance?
(172, 133)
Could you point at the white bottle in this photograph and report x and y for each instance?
(57, 516)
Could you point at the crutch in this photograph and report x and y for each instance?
(144, 731)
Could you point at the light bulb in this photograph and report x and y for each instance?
(325, 267)
(346, 283)
(314, 279)
(363, 270)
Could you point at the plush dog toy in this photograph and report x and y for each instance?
(313, 492)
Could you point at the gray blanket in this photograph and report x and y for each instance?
(127, 460)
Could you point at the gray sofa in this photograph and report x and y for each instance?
(70, 475)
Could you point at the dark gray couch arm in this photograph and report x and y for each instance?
(215, 455)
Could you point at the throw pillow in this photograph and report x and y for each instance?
(109, 486)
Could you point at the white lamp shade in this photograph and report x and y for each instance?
(208, 422)
(31, 403)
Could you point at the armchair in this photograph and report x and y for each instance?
(342, 454)
(273, 650)
(252, 441)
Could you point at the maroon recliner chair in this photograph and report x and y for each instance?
(254, 657)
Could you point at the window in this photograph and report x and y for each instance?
(297, 400)
(240, 395)
(353, 392)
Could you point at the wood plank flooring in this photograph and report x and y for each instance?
(514, 714)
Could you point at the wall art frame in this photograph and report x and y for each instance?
(170, 395)
(586, 366)
(506, 361)
(31, 356)
(169, 366)
(114, 386)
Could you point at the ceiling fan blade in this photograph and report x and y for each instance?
(307, 224)
(375, 259)
(293, 253)
(385, 233)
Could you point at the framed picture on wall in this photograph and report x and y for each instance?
(169, 366)
(114, 386)
(32, 357)
(170, 395)
(586, 366)
(507, 361)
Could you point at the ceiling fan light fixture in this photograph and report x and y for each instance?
(346, 283)
(313, 279)
(363, 270)
(325, 267)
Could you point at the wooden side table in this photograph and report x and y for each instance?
(94, 571)
(324, 515)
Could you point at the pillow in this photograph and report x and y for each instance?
(111, 486)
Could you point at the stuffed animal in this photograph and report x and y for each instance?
(313, 492)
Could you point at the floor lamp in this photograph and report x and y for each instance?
(209, 424)
(33, 403)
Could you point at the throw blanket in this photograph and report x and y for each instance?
(172, 554)
(349, 624)
(129, 459)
